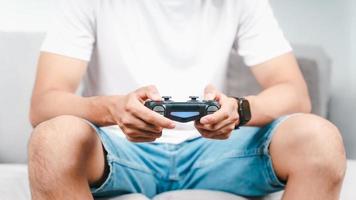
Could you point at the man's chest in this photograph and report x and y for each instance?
(165, 44)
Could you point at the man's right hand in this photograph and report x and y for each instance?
(139, 123)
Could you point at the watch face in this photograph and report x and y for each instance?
(245, 108)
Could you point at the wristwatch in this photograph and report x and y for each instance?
(244, 111)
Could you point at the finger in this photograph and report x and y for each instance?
(139, 140)
(152, 117)
(156, 119)
(225, 132)
(137, 133)
(207, 133)
(210, 92)
(147, 128)
(228, 129)
(203, 133)
(216, 117)
(134, 122)
(218, 137)
(233, 119)
(215, 137)
(215, 127)
(207, 127)
(222, 137)
(212, 134)
(148, 92)
(197, 124)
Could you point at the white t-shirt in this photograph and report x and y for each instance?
(178, 45)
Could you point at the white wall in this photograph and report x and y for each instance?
(353, 41)
(28, 15)
(353, 77)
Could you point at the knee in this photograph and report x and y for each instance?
(59, 138)
(314, 144)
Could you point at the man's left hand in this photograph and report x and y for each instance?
(220, 124)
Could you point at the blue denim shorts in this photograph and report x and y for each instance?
(240, 165)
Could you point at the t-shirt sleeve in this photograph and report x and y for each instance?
(72, 32)
(259, 37)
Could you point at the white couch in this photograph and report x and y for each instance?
(18, 56)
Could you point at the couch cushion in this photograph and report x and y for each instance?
(196, 194)
(14, 182)
(14, 185)
(210, 195)
(348, 191)
(126, 197)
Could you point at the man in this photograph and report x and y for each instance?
(108, 143)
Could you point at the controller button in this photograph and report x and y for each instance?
(212, 109)
(193, 98)
(166, 98)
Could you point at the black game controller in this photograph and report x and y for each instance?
(183, 111)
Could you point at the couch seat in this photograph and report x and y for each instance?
(14, 185)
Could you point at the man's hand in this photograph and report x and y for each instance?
(139, 123)
(220, 124)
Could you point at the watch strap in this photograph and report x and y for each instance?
(243, 109)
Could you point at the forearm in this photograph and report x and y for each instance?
(276, 101)
(55, 103)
